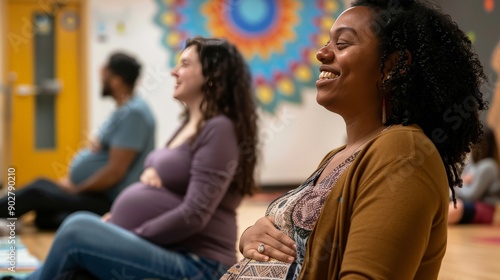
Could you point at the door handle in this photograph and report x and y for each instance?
(46, 87)
(49, 87)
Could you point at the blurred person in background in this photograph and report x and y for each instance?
(481, 184)
(113, 160)
(179, 221)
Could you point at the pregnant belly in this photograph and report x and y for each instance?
(85, 164)
(139, 203)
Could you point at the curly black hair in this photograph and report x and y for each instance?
(436, 78)
(228, 90)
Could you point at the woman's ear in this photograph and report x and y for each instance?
(407, 61)
(391, 63)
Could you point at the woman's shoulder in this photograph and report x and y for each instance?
(395, 142)
(404, 151)
(219, 121)
(403, 140)
(402, 143)
(216, 128)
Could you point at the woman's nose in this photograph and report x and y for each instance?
(173, 73)
(324, 55)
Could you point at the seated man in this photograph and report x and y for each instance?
(113, 161)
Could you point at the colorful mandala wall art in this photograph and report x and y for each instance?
(489, 5)
(279, 38)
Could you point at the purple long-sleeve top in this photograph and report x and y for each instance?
(194, 210)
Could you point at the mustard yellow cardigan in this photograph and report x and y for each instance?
(385, 218)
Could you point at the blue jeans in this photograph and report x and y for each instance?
(107, 251)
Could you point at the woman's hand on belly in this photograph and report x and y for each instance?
(273, 242)
(151, 178)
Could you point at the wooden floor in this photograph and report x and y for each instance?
(473, 252)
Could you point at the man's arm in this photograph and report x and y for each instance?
(127, 140)
(112, 173)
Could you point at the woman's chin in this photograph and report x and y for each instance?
(323, 100)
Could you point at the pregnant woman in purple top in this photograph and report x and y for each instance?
(179, 221)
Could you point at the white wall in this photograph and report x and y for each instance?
(141, 39)
(295, 139)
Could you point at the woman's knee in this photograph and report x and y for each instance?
(78, 225)
(83, 231)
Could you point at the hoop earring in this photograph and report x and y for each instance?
(384, 116)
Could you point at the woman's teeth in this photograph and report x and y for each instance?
(327, 75)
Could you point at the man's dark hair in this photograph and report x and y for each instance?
(124, 66)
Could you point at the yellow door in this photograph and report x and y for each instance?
(42, 82)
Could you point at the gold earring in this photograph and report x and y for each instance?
(384, 116)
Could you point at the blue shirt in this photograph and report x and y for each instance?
(131, 126)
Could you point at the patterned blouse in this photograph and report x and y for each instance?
(295, 213)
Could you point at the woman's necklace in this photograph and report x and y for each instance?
(364, 142)
(335, 156)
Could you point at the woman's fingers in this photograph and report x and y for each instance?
(151, 178)
(271, 247)
(156, 182)
(277, 254)
(273, 243)
(277, 250)
(153, 183)
(263, 252)
(144, 178)
(285, 243)
(255, 255)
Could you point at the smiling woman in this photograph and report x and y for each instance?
(189, 80)
(353, 51)
(376, 208)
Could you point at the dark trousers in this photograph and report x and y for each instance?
(76, 275)
(52, 204)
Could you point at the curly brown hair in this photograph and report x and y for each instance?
(228, 90)
(436, 81)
